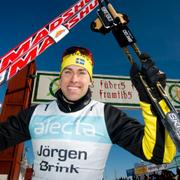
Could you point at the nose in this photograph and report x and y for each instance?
(74, 77)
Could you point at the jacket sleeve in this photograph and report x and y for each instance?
(15, 129)
(128, 133)
(157, 143)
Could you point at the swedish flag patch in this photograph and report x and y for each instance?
(80, 61)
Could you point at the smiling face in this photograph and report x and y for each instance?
(74, 82)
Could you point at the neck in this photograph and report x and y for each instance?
(71, 106)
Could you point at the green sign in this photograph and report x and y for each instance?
(115, 90)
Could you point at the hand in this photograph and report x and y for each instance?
(151, 74)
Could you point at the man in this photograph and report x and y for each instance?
(72, 135)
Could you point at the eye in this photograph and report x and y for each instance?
(83, 72)
(66, 71)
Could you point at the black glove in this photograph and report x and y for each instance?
(151, 74)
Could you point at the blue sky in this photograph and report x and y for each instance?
(155, 24)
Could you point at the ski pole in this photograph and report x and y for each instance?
(109, 20)
(138, 53)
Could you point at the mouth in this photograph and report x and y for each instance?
(73, 87)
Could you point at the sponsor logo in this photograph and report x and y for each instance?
(128, 35)
(55, 127)
(59, 33)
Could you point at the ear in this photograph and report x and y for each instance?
(59, 81)
(91, 85)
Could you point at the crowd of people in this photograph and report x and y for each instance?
(161, 175)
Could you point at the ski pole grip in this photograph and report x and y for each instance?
(112, 10)
(116, 16)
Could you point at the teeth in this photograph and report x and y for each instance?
(72, 87)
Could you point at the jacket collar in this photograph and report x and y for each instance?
(71, 106)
